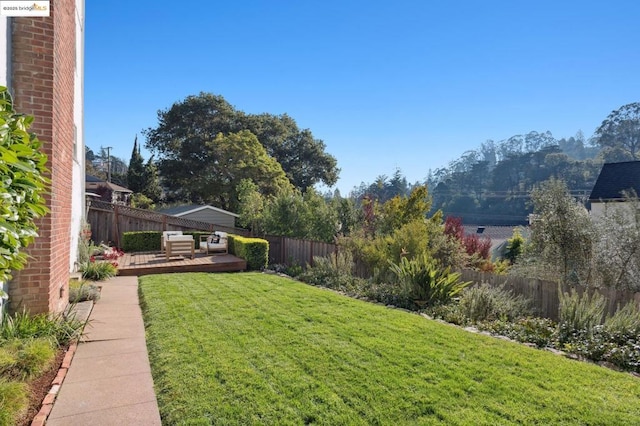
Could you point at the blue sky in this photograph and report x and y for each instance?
(405, 84)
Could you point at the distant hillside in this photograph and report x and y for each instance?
(491, 185)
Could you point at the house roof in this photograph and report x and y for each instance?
(496, 233)
(94, 182)
(615, 178)
(186, 209)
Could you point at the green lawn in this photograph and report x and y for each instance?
(259, 349)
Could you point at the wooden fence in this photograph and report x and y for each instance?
(109, 221)
(291, 251)
(545, 294)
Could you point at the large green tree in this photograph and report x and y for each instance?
(184, 129)
(619, 134)
(224, 162)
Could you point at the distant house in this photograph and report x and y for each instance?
(614, 180)
(108, 191)
(498, 234)
(203, 213)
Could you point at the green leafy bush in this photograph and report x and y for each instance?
(487, 303)
(141, 241)
(579, 314)
(26, 358)
(254, 250)
(427, 282)
(60, 329)
(625, 321)
(539, 331)
(22, 169)
(81, 291)
(14, 401)
(98, 271)
(599, 344)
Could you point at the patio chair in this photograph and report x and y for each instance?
(165, 236)
(216, 242)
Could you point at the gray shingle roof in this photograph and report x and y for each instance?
(615, 178)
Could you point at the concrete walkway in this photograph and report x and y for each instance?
(109, 381)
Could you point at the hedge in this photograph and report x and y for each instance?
(150, 240)
(254, 250)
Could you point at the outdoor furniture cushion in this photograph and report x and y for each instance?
(166, 235)
(214, 242)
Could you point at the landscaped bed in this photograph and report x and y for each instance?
(253, 348)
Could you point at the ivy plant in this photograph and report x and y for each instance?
(22, 186)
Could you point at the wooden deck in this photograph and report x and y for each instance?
(136, 264)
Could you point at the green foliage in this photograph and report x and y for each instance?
(487, 303)
(400, 211)
(617, 245)
(251, 206)
(625, 320)
(301, 215)
(579, 313)
(21, 325)
(98, 271)
(141, 241)
(141, 201)
(23, 359)
(561, 234)
(515, 246)
(254, 250)
(334, 271)
(427, 282)
(619, 134)
(14, 401)
(135, 172)
(189, 159)
(80, 291)
(22, 186)
(538, 331)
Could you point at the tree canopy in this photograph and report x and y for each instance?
(184, 132)
(619, 134)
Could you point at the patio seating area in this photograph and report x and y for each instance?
(136, 264)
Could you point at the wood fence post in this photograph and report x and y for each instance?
(116, 219)
(311, 254)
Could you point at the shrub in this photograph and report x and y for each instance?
(26, 358)
(333, 271)
(81, 291)
(22, 169)
(625, 321)
(599, 344)
(98, 271)
(427, 282)
(254, 250)
(579, 314)
(14, 401)
(141, 241)
(539, 331)
(61, 330)
(487, 303)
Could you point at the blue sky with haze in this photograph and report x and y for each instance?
(386, 85)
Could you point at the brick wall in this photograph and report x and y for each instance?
(43, 65)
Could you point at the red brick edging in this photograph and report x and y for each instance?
(47, 403)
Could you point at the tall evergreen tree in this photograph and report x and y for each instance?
(136, 175)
